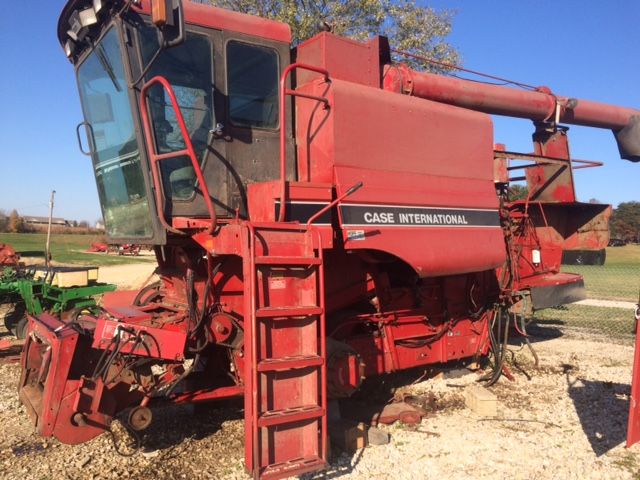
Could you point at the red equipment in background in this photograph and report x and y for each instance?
(371, 232)
(8, 256)
(98, 247)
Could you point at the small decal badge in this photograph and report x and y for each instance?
(355, 235)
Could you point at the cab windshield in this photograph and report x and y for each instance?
(116, 154)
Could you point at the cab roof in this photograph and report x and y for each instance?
(195, 14)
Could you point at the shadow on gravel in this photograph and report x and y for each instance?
(335, 470)
(174, 424)
(603, 410)
(543, 330)
(372, 397)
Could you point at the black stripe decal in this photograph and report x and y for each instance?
(302, 212)
(395, 216)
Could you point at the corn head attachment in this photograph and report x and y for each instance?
(61, 401)
(77, 375)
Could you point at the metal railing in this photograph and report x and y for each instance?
(284, 91)
(155, 158)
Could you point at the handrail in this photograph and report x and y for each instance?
(155, 157)
(284, 91)
(328, 207)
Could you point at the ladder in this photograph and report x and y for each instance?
(285, 351)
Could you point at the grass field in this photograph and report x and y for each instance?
(612, 322)
(617, 279)
(66, 249)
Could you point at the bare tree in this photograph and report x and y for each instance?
(16, 223)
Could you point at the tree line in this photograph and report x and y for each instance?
(625, 222)
(15, 223)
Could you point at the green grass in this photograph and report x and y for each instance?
(66, 249)
(613, 322)
(617, 279)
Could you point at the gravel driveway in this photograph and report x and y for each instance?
(567, 421)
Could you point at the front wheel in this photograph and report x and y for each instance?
(16, 320)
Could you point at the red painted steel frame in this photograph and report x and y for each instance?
(154, 157)
(165, 343)
(253, 258)
(283, 130)
(208, 395)
(323, 342)
(250, 356)
(633, 426)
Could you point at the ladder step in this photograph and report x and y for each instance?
(290, 363)
(274, 312)
(297, 466)
(290, 415)
(288, 261)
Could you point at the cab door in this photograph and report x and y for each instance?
(252, 129)
(192, 69)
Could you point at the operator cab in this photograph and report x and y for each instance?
(224, 68)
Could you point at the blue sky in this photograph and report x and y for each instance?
(579, 48)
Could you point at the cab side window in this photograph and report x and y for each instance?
(252, 85)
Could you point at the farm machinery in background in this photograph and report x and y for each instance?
(33, 290)
(61, 291)
(125, 249)
(8, 256)
(98, 247)
(319, 215)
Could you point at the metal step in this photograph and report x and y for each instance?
(290, 415)
(287, 354)
(284, 261)
(292, 467)
(289, 363)
(275, 312)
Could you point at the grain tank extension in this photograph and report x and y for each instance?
(319, 215)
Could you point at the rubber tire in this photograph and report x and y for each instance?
(148, 294)
(16, 320)
(21, 328)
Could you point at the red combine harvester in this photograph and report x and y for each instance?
(319, 215)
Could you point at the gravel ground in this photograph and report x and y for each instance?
(567, 421)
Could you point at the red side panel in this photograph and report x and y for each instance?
(428, 198)
(356, 62)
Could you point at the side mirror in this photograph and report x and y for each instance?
(168, 17)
